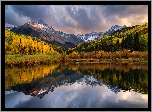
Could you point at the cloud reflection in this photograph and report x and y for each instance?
(79, 96)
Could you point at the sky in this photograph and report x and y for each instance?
(77, 19)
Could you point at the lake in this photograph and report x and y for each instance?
(77, 85)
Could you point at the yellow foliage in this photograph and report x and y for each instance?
(21, 76)
(73, 54)
(21, 44)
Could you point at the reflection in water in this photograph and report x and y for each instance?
(42, 86)
(14, 76)
(124, 76)
(78, 85)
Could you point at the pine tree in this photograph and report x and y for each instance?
(136, 42)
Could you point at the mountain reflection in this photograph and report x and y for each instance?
(117, 77)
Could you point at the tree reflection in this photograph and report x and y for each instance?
(117, 77)
(14, 76)
(123, 76)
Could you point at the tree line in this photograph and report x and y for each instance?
(125, 54)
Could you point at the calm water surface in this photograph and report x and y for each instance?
(77, 85)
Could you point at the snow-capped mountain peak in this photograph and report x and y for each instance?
(9, 27)
(117, 27)
(94, 35)
(114, 28)
(40, 21)
(90, 36)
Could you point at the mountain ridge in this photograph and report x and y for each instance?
(47, 33)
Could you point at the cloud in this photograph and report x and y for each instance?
(124, 10)
(14, 18)
(137, 19)
(87, 18)
(79, 96)
(33, 11)
(126, 14)
(14, 98)
(78, 18)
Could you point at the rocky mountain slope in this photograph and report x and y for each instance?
(42, 31)
(95, 35)
(46, 33)
(114, 28)
(90, 36)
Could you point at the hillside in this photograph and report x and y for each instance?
(133, 38)
(22, 44)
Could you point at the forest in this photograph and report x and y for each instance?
(22, 44)
(128, 42)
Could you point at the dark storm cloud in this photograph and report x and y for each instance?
(13, 18)
(19, 14)
(78, 19)
(32, 11)
(125, 10)
(80, 16)
(84, 22)
(67, 22)
(114, 10)
(8, 18)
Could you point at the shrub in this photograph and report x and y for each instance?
(125, 53)
(74, 55)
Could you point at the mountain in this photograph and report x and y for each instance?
(95, 35)
(90, 36)
(47, 33)
(9, 27)
(114, 28)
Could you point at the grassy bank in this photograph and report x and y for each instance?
(109, 60)
(30, 60)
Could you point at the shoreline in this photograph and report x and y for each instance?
(31, 60)
(109, 60)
